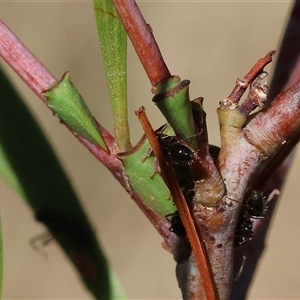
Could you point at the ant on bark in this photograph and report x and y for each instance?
(179, 157)
(255, 207)
(176, 224)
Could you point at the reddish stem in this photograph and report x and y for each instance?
(256, 97)
(38, 79)
(277, 124)
(143, 41)
(241, 85)
(24, 63)
(194, 236)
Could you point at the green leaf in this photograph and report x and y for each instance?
(113, 42)
(139, 167)
(172, 99)
(48, 191)
(65, 100)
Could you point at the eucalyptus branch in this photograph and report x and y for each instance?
(38, 78)
(237, 162)
(242, 85)
(251, 144)
(24, 63)
(194, 236)
(277, 124)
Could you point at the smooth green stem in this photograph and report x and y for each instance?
(113, 42)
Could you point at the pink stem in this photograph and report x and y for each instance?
(24, 63)
(243, 84)
(38, 79)
(143, 41)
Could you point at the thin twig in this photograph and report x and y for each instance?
(194, 236)
(241, 85)
(257, 95)
(38, 79)
(143, 41)
(24, 63)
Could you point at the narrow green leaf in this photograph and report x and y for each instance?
(7, 173)
(113, 42)
(65, 100)
(117, 291)
(1, 260)
(48, 191)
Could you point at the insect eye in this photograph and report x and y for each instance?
(181, 155)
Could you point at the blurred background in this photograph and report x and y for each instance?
(209, 43)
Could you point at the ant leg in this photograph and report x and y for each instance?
(44, 239)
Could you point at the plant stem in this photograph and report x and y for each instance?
(194, 236)
(277, 124)
(24, 63)
(143, 41)
(113, 42)
(242, 85)
(38, 79)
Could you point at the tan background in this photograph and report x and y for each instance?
(207, 42)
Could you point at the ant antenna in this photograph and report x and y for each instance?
(238, 275)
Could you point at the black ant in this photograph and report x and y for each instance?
(175, 152)
(176, 224)
(255, 207)
(243, 232)
(180, 157)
